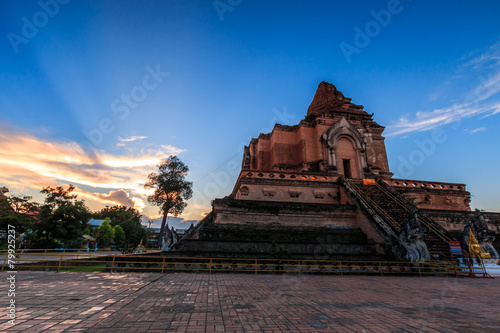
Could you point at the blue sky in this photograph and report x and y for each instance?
(95, 93)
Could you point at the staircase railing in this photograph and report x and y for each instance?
(403, 205)
(387, 230)
(380, 210)
(407, 205)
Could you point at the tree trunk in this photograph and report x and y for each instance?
(162, 229)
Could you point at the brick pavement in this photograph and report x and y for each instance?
(189, 302)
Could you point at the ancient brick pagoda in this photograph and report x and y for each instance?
(329, 177)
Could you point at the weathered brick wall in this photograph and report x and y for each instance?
(433, 195)
(283, 213)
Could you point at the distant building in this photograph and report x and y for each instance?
(95, 223)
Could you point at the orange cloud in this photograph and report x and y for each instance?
(118, 197)
(28, 162)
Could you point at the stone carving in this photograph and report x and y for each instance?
(169, 239)
(244, 190)
(318, 194)
(344, 129)
(477, 225)
(413, 235)
(246, 158)
(268, 192)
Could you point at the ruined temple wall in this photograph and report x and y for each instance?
(281, 147)
(313, 145)
(433, 195)
(298, 147)
(286, 147)
(289, 147)
(493, 221)
(376, 153)
(283, 214)
(289, 187)
(288, 193)
(259, 150)
(443, 200)
(341, 220)
(453, 220)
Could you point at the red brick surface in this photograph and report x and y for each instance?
(98, 302)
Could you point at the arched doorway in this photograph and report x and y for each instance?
(347, 158)
(345, 149)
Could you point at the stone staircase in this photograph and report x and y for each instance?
(387, 210)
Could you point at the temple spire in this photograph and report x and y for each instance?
(328, 99)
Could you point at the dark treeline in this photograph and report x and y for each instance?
(63, 221)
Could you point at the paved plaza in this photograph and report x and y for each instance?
(190, 302)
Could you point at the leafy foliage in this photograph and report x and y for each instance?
(129, 219)
(17, 210)
(119, 237)
(105, 233)
(118, 214)
(171, 189)
(63, 218)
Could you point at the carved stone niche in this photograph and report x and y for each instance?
(319, 194)
(244, 191)
(427, 199)
(294, 193)
(268, 192)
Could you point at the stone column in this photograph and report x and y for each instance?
(332, 159)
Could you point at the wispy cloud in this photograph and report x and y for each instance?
(480, 129)
(425, 121)
(132, 138)
(489, 58)
(28, 162)
(482, 99)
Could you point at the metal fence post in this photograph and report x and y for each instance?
(255, 266)
(163, 265)
(112, 264)
(59, 266)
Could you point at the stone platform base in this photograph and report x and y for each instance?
(261, 241)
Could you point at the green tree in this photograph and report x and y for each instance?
(63, 218)
(129, 219)
(105, 233)
(119, 237)
(19, 211)
(171, 190)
